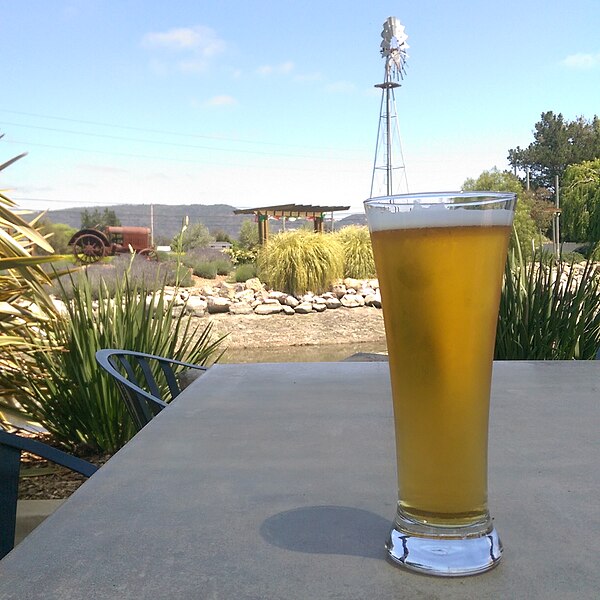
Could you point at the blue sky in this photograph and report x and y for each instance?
(255, 103)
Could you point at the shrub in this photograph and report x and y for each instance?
(107, 276)
(358, 253)
(207, 270)
(244, 272)
(548, 311)
(208, 262)
(296, 262)
(240, 256)
(69, 395)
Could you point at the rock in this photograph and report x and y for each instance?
(352, 301)
(309, 297)
(319, 307)
(373, 299)
(60, 306)
(245, 295)
(303, 308)
(279, 296)
(332, 303)
(227, 290)
(271, 301)
(373, 283)
(240, 308)
(288, 310)
(208, 290)
(291, 301)
(217, 304)
(351, 283)
(196, 306)
(339, 289)
(268, 309)
(254, 284)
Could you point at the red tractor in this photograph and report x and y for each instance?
(90, 245)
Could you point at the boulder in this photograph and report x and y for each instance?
(254, 284)
(217, 304)
(319, 307)
(352, 301)
(288, 310)
(268, 309)
(246, 295)
(303, 308)
(240, 308)
(291, 301)
(339, 289)
(332, 303)
(352, 283)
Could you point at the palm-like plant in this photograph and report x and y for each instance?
(24, 303)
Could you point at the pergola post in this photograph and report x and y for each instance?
(263, 228)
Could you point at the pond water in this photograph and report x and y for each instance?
(322, 353)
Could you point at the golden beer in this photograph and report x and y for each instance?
(440, 260)
(440, 289)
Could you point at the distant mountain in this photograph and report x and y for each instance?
(168, 218)
(357, 219)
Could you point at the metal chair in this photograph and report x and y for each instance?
(11, 446)
(146, 382)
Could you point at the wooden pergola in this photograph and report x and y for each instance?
(285, 211)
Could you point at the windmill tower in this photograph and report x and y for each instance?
(389, 171)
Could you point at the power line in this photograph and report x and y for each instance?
(167, 158)
(158, 143)
(167, 132)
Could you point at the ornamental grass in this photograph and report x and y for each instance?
(300, 261)
(358, 252)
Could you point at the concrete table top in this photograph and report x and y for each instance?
(277, 481)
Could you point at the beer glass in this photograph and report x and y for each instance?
(440, 259)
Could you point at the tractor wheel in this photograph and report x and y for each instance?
(88, 249)
(149, 254)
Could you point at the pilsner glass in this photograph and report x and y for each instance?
(440, 259)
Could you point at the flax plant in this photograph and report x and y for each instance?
(548, 311)
(300, 261)
(75, 400)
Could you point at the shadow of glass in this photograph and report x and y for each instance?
(328, 530)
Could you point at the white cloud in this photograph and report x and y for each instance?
(199, 39)
(581, 61)
(197, 44)
(223, 100)
(284, 68)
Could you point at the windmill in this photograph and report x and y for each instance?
(389, 171)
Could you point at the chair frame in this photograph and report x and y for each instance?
(142, 405)
(11, 447)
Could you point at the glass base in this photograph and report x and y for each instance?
(442, 551)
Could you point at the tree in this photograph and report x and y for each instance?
(97, 219)
(58, 235)
(248, 235)
(557, 144)
(580, 202)
(193, 236)
(525, 226)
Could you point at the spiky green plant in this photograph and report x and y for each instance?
(358, 252)
(548, 312)
(300, 261)
(71, 397)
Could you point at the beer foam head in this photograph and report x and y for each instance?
(407, 212)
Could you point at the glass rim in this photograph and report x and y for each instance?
(425, 198)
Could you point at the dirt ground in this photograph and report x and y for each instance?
(334, 326)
